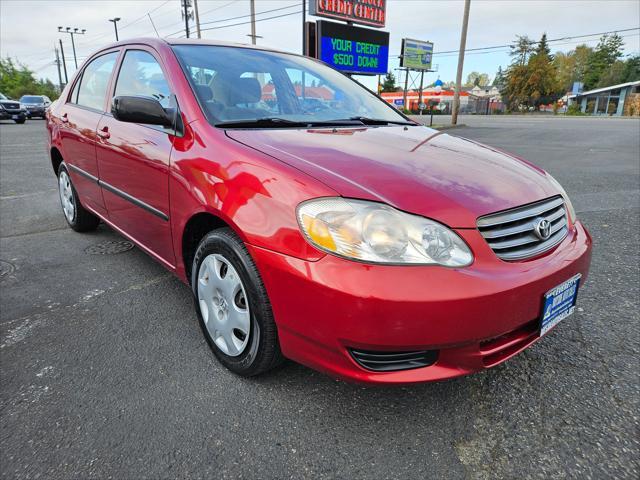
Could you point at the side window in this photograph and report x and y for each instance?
(95, 81)
(73, 98)
(140, 74)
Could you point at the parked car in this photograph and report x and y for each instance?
(350, 239)
(11, 110)
(35, 105)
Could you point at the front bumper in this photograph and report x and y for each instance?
(476, 317)
(12, 114)
(35, 111)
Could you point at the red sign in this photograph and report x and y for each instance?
(366, 12)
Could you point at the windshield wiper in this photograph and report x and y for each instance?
(267, 122)
(379, 121)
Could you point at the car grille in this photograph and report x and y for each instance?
(393, 361)
(511, 234)
(11, 105)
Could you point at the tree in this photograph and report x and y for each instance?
(499, 79)
(17, 80)
(532, 82)
(520, 49)
(477, 79)
(631, 69)
(543, 47)
(565, 64)
(609, 49)
(582, 53)
(389, 83)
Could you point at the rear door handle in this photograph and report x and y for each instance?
(104, 132)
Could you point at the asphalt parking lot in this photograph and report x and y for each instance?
(105, 373)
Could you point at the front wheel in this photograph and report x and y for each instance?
(78, 218)
(20, 121)
(232, 305)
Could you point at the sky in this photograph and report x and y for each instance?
(28, 28)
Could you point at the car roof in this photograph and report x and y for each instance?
(163, 42)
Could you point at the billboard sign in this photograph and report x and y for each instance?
(366, 12)
(416, 55)
(352, 49)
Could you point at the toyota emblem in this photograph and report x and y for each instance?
(542, 228)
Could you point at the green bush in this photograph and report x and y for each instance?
(574, 109)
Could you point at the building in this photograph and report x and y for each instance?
(440, 99)
(488, 91)
(621, 99)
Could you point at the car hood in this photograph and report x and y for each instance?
(415, 169)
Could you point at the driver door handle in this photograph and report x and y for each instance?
(104, 132)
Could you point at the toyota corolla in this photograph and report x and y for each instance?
(311, 220)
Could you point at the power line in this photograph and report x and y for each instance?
(507, 49)
(243, 16)
(534, 42)
(258, 20)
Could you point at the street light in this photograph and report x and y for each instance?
(72, 32)
(115, 25)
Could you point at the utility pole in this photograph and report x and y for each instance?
(406, 85)
(55, 49)
(64, 63)
(185, 5)
(304, 29)
(115, 25)
(463, 43)
(420, 94)
(75, 31)
(195, 9)
(253, 21)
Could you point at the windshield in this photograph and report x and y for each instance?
(31, 99)
(241, 86)
(2, 97)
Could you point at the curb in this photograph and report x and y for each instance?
(447, 127)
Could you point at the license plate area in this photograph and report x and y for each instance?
(559, 303)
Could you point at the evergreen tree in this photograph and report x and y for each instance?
(499, 79)
(520, 50)
(543, 47)
(389, 83)
(609, 49)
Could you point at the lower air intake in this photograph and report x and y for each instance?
(393, 361)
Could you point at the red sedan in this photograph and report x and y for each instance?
(312, 220)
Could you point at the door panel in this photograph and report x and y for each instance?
(78, 137)
(80, 117)
(134, 174)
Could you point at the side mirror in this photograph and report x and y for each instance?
(141, 110)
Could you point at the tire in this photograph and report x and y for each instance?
(78, 218)
(261, 350)
(20, 121)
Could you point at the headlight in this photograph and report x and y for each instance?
(376, 233)
(567, 201)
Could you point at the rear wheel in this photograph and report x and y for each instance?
(232, 305)
(78, 218)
